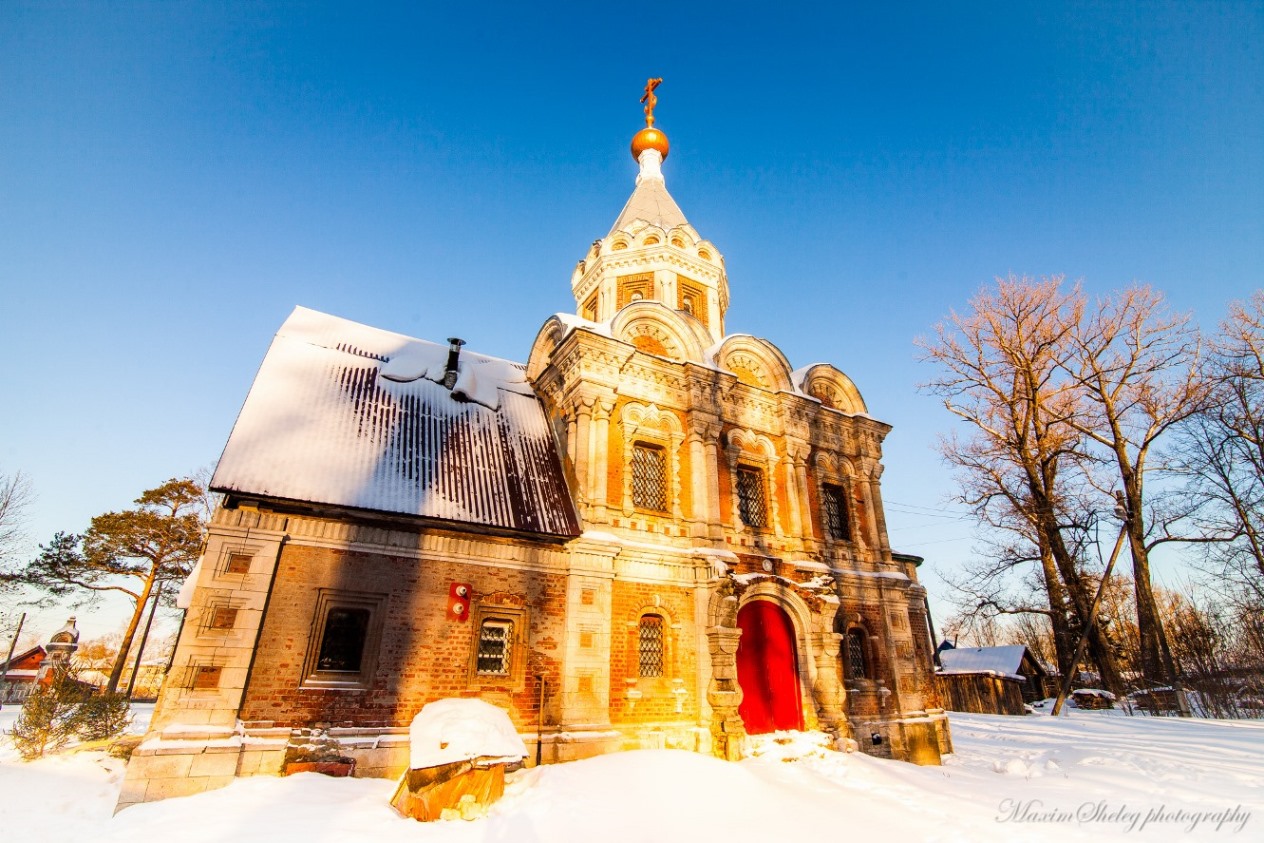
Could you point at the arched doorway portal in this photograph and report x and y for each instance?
(768, 669)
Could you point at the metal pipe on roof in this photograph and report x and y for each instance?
(454, 355)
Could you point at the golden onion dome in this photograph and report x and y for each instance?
(649, 138)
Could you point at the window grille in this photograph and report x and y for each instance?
(342, 644)
(494, 640)
(649, 478)
(835, 501)
(858, 668)
(750, 497)
(650, 645)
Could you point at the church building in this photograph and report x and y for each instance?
(653, 534)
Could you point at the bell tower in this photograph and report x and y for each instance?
(652, 253)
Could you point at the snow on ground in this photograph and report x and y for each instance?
(1088, 776)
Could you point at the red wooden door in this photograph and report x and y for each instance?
(768, 669)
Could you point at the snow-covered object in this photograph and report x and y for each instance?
(348, 415)
(478, 378)
(417, 360)
(1001, 660)
(451, 730)
(184, 598)
(1093, 692)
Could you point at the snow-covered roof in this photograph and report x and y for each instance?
(1005, 660)
(348, 415)
(1093, 692)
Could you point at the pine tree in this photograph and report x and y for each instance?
(125, 553)
(49, 716)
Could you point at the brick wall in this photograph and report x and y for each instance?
(422, 654)
(658, 695)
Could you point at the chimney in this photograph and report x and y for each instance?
(454, 354)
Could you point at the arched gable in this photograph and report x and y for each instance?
(833, 466)
(831, 387)
(755, 361)
(550, 335)
(656, 329)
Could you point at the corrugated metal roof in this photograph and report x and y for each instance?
(319, 425)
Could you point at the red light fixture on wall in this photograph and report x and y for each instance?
(459, 601)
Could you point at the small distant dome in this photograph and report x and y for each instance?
(649, 138)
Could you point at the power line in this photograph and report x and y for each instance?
(891, 502)
(929, 514)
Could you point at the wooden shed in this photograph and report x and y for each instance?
(989, 680)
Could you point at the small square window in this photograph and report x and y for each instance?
(498, 655)
(223, 617)
(649, 477)
(834, 500)
(346, 631)
(750, 497)
(495, 639)
(238, 563)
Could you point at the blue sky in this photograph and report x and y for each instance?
(175, 177)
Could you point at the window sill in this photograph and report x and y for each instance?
(331, 683)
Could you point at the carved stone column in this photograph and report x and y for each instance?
(797, 490)
(728, 732)
(582, 449)
(711, 447)
(801, 477)
(698, 489)
(830, 695)
(879, 517)
(600, 447)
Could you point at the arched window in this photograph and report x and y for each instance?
(857, 657)
(834, 501)
(649, 477)
(750, 497)
(650, 649)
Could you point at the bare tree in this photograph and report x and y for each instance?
(1137, 368)
(1221, 452)
(1021, 468)
(15, 497)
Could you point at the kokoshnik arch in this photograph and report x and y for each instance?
(655, 533)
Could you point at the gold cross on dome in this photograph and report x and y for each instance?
(650, 100)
